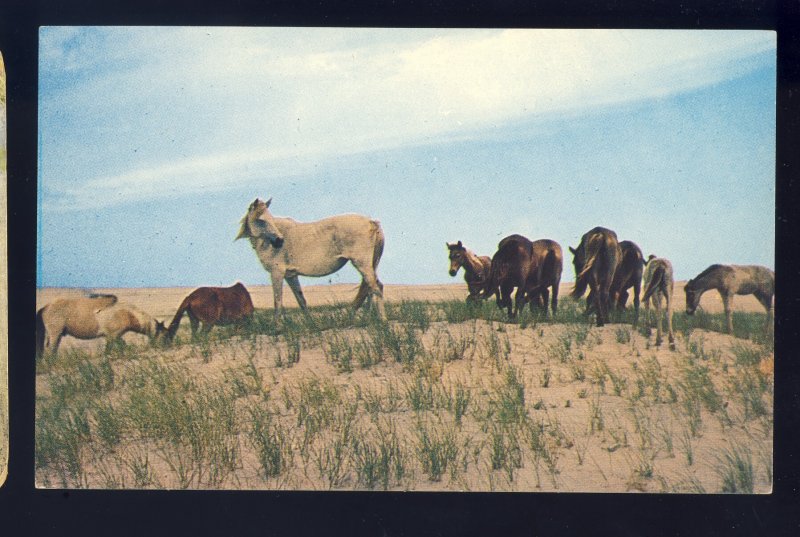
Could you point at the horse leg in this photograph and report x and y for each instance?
(554, 303)
(669, 321)
(370, 279)
(727, 298)
(636, 290)
(519, 300)
(294, 285)
(544, 297)
(657, 298)
(602, 294)
(52, 337)
(766, 301)
(277, 294)
(194, 322)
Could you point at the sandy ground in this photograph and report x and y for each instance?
(604, 453)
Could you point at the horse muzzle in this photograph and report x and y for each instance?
(453, 272)
(277, 242)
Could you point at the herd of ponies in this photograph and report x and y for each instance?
(287, 249)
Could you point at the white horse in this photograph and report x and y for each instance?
(658, 283)
(289, 249)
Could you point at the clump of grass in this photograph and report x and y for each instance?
(334, 456)
(735, 468)
(746, 355)
(420, 394)
(316, 404)
(623, 335)
(402, 343)
(505, 452)
(497, 350)
(458, 398)
(194, 426)
(61, 437)
(544, 378)
(751, 387)
(271, 441)
(379, 459)
(413, 312)
(506, 404)
(437, 449)
(108, 424)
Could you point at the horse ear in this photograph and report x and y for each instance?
(571, 249)
(268, 202)
(460, 245)
(243, 231)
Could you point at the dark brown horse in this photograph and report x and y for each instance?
(530, 267)
(732, 280)
(595, 261)
(213, 306)
(477, 269)
(628, 274)
(547, 263)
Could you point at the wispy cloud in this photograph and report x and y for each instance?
(126, 111)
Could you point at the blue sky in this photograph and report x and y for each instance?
(153, 141)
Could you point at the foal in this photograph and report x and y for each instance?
(658, 283)
(477, 269)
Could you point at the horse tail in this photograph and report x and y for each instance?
(172, 329)
(380, 240)
(40, 329)
(657, 281)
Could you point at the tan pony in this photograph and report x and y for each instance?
(732, 280)
(658, 284)
(288, 249)
(477, 269)
(90, 317)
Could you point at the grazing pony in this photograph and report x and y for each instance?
(212, 306)
(658, 283)
(288, 249)
(628, 274)
(477, 269)
(595, 261)
(732, 280)
(90, 317)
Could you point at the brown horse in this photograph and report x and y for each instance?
(732, 280)
(547, 263)
(628, 274)
(530, 267)
(658, 284)
(509, 270)
(477, 269)
(595, 261)
(90, 317)
(213, 306)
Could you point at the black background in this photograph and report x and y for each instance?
(25, 510)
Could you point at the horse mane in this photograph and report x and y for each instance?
(709, 270)
(104, 295)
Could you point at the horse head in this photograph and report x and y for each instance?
(258, 222)
(692, 297)
(161, 333)
(457, 253)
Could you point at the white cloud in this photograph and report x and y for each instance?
(239, 99)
